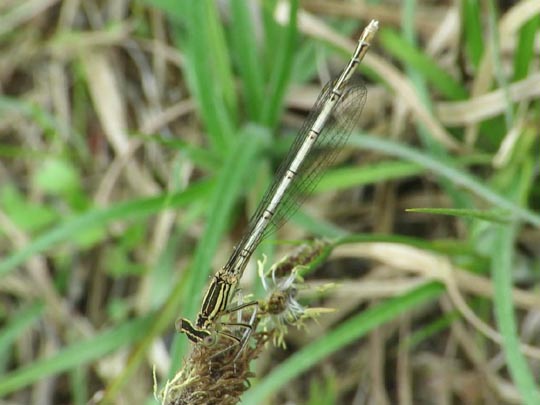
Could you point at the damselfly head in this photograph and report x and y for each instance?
(195, 334)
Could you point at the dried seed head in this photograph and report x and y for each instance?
(302, 256)
(281, 308)
(215, 374)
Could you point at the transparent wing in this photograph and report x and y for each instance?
(332, 137)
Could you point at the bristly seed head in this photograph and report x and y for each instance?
(281, 306)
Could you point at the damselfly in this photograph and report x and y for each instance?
(327, 127)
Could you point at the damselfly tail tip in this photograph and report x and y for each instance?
(369, 32)
(372, 27)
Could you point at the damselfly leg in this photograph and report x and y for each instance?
(207, 333)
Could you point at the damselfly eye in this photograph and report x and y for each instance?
(210, 340)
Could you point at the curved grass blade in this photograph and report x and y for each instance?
(102, 216)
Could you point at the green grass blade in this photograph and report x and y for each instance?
(492, 216)
(272, 31)
(200, 156)
(418, 79)
(497, 59)
(281, 69)
(162, 320)
(346, 177)
(169, 7)
(207, 66)
(16, 325)
(317, 226)
(525, 48)
(245, 45)
(342, 335)
(433, 328)
(430, 71)
(47, 122)
(448, 170)
(76, 354)
(79, 381)
(218, 56)
(102, 216)
(517, 181)
(205, 74)
(502, 268)
(472, 30)
(446, 247)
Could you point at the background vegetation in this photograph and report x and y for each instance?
(137, 137)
